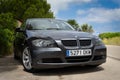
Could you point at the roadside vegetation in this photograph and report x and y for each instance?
(12, 11)
(111, 38)
(83, 27)
(7, 26)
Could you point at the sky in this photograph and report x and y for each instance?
(103, 15)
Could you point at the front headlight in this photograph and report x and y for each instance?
(43, 43)
(98, 42)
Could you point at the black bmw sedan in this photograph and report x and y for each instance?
(51, 43)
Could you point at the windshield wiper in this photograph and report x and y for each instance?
(53, 29)
(35, 29)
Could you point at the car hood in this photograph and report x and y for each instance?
(54, 34)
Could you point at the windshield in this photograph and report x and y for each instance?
(48, 24)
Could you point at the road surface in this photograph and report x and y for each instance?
(13, 70)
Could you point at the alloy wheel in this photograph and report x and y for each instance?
(26, 59)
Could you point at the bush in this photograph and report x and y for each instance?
(7, 27)
(6, 39)
(109, 35)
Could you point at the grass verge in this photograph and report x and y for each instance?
(112, 41)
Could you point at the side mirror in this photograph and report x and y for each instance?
(19, 30)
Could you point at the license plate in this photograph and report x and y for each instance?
(83, 52)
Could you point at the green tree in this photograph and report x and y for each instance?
(7, 21)
(13, 10)
(73, 23)
(23, 9)
(7, 25)
(87, 28)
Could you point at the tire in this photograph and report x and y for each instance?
(26, 60)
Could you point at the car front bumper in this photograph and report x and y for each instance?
(56, 57)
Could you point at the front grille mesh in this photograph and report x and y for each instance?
(73, 43)
(69, 43)
(85, 42)
(51, 60)
(78, 59)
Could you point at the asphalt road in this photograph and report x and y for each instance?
(13, 70)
